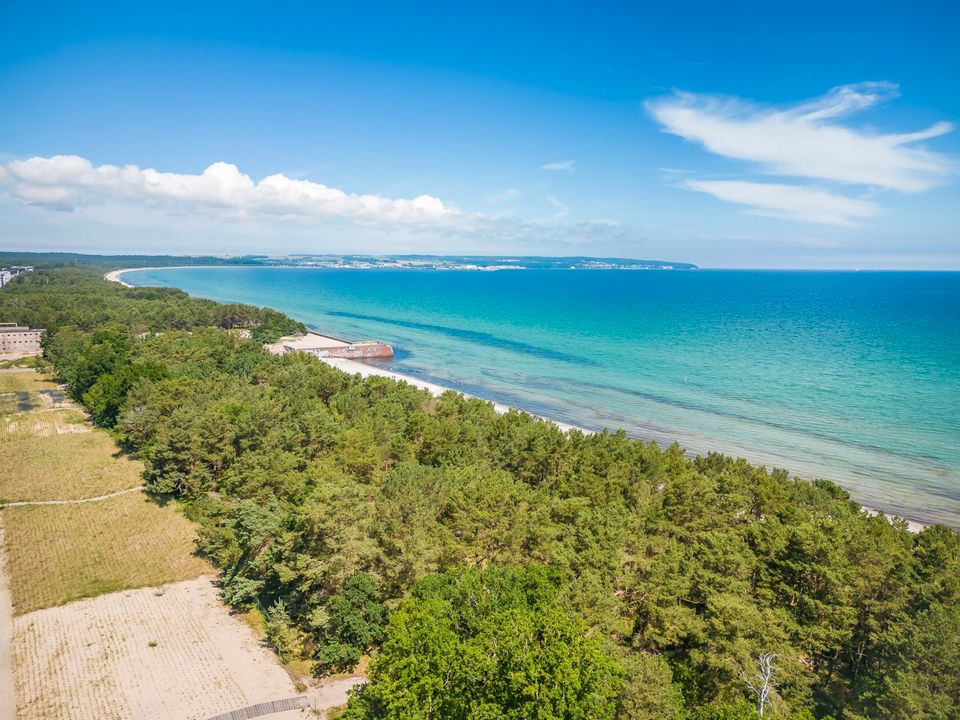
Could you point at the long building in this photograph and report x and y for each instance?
(19, 341)
(325, 346)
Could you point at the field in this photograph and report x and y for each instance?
(111, 613)
(44, 464)
(142, 654)
(60, 553)
(23, 380)
(48, 449)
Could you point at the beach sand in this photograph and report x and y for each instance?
(114, 276)
(354, 367)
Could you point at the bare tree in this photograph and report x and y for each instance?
(761, 682)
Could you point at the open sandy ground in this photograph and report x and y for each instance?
(7, 696)
(151, 653)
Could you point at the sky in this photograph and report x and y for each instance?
(751, 134)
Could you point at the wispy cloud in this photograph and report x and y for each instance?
(560, 166)
(809, 141)
(562, 210)
(65, 182)
(791, 202)
(502, 196)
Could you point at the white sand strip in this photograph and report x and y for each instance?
(354, 367)
(114, 276)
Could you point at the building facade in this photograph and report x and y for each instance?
(17, 340)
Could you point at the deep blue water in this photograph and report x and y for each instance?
(852, 376)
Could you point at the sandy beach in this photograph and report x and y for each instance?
(116, 275)
(356, 367)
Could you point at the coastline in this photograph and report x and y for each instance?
(356, 367)
(115, 275)
(365, 370)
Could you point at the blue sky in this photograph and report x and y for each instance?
(728, 135)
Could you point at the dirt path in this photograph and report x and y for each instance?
(333, 693)
(8, 704)
(98, 498)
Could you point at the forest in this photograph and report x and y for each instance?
(491, 565)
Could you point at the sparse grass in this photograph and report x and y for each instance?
(15, 379)
(30, 362)
(48, 456)
(299, 670)
(48, 449)
(60, 553)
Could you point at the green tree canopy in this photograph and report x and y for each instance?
(489, 643)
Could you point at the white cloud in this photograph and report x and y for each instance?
(562, 210)
(791, 202)
(560, 166)
(65, 182)
(807, 140)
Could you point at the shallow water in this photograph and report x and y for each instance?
(851, 376)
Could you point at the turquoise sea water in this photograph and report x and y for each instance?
(850, 376)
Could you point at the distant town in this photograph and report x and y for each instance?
(9, 273)
(469, 262)
(346, 262)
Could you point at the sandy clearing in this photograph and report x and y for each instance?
(333, 693)
(93, 659)
(7, 702)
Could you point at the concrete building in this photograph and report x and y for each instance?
(19, 341)
(9, 273)
(324, 346)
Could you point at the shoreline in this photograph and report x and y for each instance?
(115, 275)
(357, 367)
(354, 367)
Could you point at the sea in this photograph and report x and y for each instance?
(849, 376)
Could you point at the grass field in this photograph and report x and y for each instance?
(60, 553)
(114, 614)
(48, 450)
(24, 380)
(47, 459)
